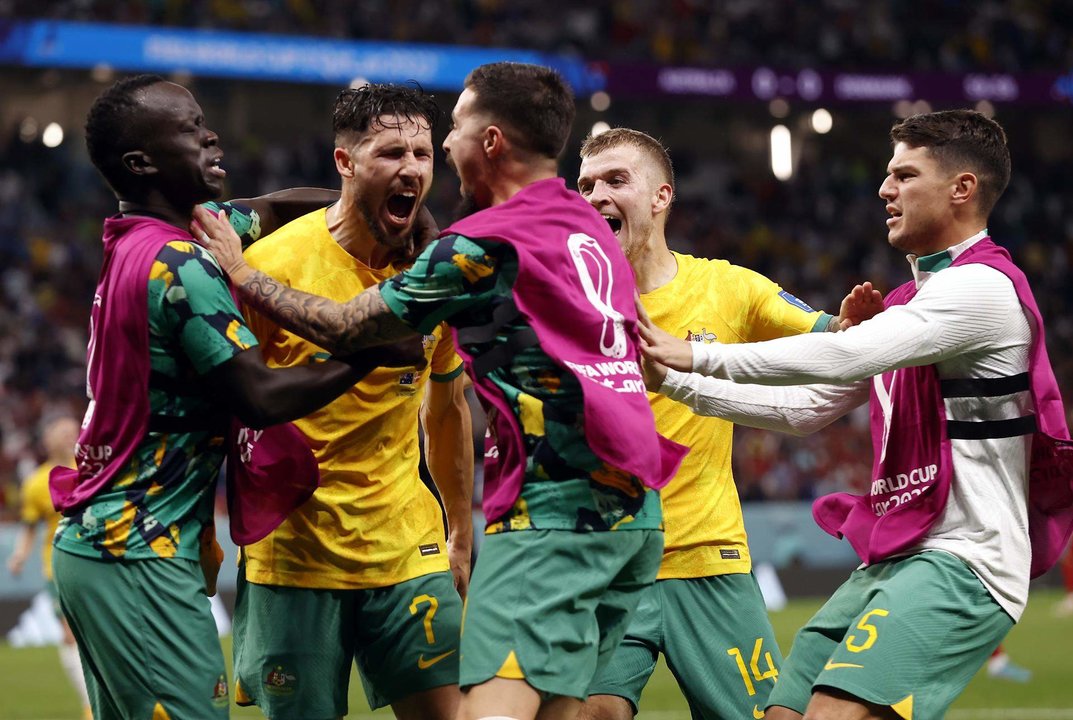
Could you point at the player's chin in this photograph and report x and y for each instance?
(213, 188)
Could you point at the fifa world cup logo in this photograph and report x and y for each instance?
(594, 269)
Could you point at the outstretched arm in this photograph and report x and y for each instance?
(342, 328)
(260, 396)
(276, 209)
(797, 411)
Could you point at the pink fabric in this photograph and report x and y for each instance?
(266, 482)
(576, 289)
(270, 472)
(898, 512)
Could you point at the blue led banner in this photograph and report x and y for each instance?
(257, 56)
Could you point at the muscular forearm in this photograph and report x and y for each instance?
(294, 392)
(795, 410)
(342, 328)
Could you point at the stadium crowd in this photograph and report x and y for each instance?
(999, 36)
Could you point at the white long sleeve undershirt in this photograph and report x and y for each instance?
(800, 410)
(967, 321)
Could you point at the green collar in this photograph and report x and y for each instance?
(935, 262)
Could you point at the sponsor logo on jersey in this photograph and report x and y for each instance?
(431, 549)
(798, 303)
(701, 337)
(730, 554)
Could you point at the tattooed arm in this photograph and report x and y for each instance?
(341, 328)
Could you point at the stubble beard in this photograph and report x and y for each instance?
(382, 238)
(466, 206)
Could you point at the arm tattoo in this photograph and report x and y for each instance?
(341, 328)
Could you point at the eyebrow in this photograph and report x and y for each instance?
(902, 167)
(618, 170)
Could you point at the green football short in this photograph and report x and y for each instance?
(146, 636)
(54, 596)
(909, 633)
(294, 646)
(718, 641)
(550, 606)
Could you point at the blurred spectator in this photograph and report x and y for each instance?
(988, 36)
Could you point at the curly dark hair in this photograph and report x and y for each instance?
(962, 140)
(532, 103)
(356, 109)
(110, 130)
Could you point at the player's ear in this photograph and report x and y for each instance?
(964, 189)
(344, 163)
(662, 198)
(494, 142)
(138, 162)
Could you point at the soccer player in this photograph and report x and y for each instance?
(58, 439)
(170, 360)
(963, 404)
(361, 569)
(574, 528)
(705, 579)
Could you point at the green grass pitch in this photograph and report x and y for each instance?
(35, 689)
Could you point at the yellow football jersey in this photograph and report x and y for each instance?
(37, 508)
(712, 301)
(372, 522)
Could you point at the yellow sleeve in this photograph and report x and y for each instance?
(36, 499)
(446, 364)
(775, 313)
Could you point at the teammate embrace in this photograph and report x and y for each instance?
(577, 589)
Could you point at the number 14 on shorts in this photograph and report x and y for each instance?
(771, 673)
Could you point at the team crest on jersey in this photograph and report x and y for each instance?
(700, 337)
(280, 681)
(219, 692)
(796, 302)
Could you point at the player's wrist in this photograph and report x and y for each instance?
(240, 273)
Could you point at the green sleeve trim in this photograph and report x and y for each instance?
(447, 376)
(398, 307)
(822, 322)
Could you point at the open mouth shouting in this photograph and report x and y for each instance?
(614, 223)
(400, 206)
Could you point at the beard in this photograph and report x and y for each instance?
(466, 207)
(396, 242)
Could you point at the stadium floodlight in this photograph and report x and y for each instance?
(599, 127)
(782, 159)
(778, 108)
(985, 108)
(28, 130)
(822, 122)
(600, 101)
(903, 109)
(53, 135)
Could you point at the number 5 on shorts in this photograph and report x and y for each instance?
(851, 640)
(433, 604)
